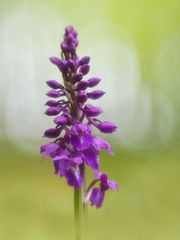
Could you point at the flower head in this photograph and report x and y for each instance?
(74, 145)
(97, 194)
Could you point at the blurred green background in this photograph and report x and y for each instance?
(135, 47)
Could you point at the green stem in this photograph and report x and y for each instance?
(78, 213)
(84, 194)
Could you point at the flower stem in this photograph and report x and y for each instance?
(78, 213)
(84, 195)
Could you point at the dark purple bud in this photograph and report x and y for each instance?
(82, 97)
(54, 84)
(52, 103)
(60, 120)
(96, 94)
(64, 47)
(53, 111)
(70, 38)
(71, 30)
(92, 111)
(61, 64)
(84, 69)
(107, 127)
(53, 93)
(84, 60)
(77, 77)
(52, 133)
(94, 81)
(82, 85)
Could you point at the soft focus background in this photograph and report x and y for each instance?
(135, 47)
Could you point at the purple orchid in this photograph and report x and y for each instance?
(74, 145)
(97, 194)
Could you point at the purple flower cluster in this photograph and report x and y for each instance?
(74, 145)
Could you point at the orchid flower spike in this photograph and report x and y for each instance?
(73, 144)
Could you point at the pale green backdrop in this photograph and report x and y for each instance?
(135, 48)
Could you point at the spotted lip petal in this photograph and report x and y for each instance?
(97, 197)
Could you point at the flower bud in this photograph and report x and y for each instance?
(82, 85)
(52, 133)
(107, 127)
(77, 77)
(61, 64)
(69, 38)
(53, 93)
(84, 60)
(64, 47)
(52, 103)
(71, 30)
(92, 111)
(94, 81)
(84, 69)
(96, 94)
(53, 111)
(82, 97)
(60, 120)
(54, 84)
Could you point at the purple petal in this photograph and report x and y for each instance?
(104, 182)
(100, 144)
(61, 162)
(98, 175)
(63, 165)
(113, 185)
(61, 156)
(77, 158)
(56, 166)
(74, 177)
(97, 197)
(92, 158)
(48, 149)
(80, 136)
